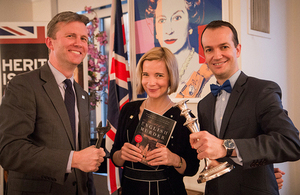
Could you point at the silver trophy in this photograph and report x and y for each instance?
(101, 132)
(207, 173)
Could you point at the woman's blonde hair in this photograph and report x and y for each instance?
(163, 54)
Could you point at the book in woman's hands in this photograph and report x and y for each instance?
(153, 131)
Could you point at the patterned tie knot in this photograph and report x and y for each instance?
(68, 82)
(215, 89)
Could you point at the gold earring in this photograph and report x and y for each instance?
(191, 31)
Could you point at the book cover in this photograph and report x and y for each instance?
(153, 131)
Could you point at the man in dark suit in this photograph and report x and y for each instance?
(242, 122)
(37, 145)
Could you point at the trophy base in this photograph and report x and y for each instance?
(214, 172)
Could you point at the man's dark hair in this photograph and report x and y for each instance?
(219, 23)
(66, 17)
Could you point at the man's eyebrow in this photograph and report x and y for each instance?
(208, 46)
(223, 44)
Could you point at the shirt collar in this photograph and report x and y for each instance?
(59, 77)
(234, 78)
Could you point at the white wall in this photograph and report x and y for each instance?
(15, 11)
(276, 59)
(293, 71)
(43, 10)
(293, 59)
(78, 5)
(263, 57)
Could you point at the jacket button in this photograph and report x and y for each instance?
(74, 183)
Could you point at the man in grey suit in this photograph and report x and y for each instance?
(37, 145)
(242, 121)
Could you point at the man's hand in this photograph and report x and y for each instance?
(88, 159)
(278, 174)
(207, 145)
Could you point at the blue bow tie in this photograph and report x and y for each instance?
(215, 89)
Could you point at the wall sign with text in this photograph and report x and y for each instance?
(22, 49)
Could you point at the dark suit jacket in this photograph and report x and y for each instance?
(262, 131)
(36, 136)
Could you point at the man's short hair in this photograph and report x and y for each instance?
(65, 17)
(219, 23)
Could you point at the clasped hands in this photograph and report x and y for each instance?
(88, 159)
(158, 156)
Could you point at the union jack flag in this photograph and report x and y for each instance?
(119, 87)
(22, 33)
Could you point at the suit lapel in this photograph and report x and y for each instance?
(54, 94)
(83, 110)
(212, 102)
(232, 102)
(207, 109)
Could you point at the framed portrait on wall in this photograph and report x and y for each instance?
(177, 25)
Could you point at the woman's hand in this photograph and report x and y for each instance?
(130, 152)
(162, 156)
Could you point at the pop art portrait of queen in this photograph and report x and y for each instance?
(177, 25)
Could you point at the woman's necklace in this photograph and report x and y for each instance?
(162, 111)
(186, 63)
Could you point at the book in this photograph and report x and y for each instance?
(153, 131)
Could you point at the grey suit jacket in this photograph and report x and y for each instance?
(36, 136)
(262, 131)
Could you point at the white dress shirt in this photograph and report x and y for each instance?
(221, 103)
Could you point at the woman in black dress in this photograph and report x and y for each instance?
(157, 73)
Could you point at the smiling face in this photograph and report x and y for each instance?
(172, 24)
(70, 46)
(155, 78)
(220, 53)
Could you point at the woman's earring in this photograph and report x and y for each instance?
(191, 31)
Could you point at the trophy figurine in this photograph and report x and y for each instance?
(207, 173)
(101, 132)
